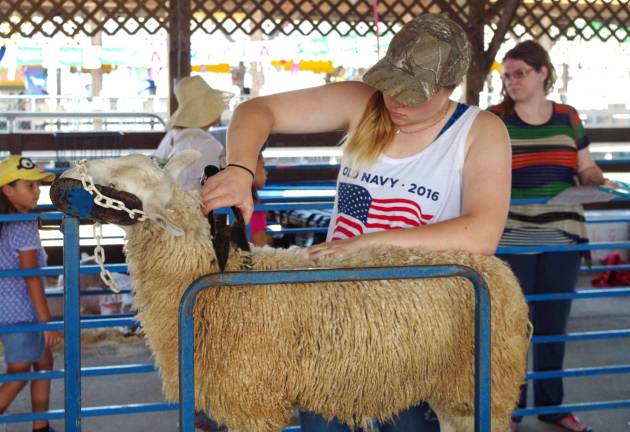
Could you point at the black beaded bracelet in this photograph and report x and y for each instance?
(242, 167)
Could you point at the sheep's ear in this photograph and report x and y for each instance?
(162, 217)
(180, 161)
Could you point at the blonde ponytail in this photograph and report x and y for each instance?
(373, 134)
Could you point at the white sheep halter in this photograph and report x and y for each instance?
(105, 202)
(102, 200)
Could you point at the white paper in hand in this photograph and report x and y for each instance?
(582, 195)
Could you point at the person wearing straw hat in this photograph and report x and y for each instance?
(419, 170)
(200, 107)
(23, 299)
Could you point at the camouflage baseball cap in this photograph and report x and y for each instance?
(428, 53)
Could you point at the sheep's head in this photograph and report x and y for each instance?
(136, 180)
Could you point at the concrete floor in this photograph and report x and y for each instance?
(587, 315)
(592, 315)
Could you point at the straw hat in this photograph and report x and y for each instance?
(198, 103)
(21, 168)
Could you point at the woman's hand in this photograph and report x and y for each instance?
(52, 338)
(230, 187)
(339, 247)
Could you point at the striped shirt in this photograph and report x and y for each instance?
(544, 163)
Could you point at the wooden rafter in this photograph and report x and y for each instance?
(553, 19)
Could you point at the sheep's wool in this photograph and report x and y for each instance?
(354, 350)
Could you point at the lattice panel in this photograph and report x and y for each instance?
(586, 19)
(74, 17)
(312, 16)
(575, 19)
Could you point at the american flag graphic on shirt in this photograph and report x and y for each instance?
(358, 213)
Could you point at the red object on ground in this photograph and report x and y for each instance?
(611, 278)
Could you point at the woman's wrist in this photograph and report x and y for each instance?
(242, 167)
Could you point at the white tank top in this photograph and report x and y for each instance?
(407, 192)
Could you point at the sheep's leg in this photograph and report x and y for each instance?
(501, 425)
(450, 425)
(264, 415)
(467, 424)
(454, 423)
(245, 423)
(457, 424)
(245, 407)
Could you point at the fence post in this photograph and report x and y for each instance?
(72, 331)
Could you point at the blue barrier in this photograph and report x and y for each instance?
(73, 410)
(581, 294)
(77, 412)
(60, 414)
(320, 192)
(58, 270)
(274, 200)
(85, 372)
(59, 325)
(482, 321)
(567, 408)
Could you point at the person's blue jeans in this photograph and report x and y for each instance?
(553, 272)
(419, 418)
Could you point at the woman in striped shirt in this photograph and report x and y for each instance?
(549, 154)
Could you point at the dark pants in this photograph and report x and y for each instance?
(415, 419)
(538, 274)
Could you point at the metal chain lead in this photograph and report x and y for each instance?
(99, 257)
(106, 202)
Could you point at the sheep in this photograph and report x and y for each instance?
(358, 351)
